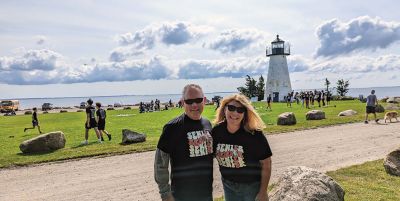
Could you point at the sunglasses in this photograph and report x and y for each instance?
(195, 100)
(233, 108)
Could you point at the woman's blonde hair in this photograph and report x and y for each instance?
(251, 120)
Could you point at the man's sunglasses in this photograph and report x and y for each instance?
(195, 100)
(233, 108)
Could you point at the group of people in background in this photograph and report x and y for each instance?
(307, 99)
(189, 143)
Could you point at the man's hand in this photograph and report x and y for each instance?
(262, 196)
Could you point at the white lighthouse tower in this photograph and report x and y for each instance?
(278, 80)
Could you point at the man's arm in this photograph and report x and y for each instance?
(265, 176)
(161, 174)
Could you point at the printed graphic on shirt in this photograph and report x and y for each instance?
(200, 143)
(230, 155)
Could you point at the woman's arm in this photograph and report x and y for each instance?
(265, 176)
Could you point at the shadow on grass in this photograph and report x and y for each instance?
(84, 145)
(36, 154)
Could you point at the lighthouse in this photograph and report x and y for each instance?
(278, 80)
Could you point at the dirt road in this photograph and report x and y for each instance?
(130, 177)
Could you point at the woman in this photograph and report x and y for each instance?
(242, 151)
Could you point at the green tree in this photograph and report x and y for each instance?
(327, 83)
(342, 87)
(260, 88)
(250, 88)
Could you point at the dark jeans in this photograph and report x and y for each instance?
(193, 199)
(234, 191)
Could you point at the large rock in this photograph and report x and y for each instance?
(379, 109)
(393, 100)
(315, 115)
(305, 184)
(44, 143)
(287, 118)
(347, 113)
(129, 136)
(392, 163)
(392, 106)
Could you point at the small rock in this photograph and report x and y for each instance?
(315, 115)
(286, 118)
(129, 136)
(392, 163)
(347, 113)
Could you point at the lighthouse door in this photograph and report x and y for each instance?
(276, 96)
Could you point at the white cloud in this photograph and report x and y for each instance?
(43, 59)
(237, 67)
(337, 38)
(231, 41)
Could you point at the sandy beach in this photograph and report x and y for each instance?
(130, 176)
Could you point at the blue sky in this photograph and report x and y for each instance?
(87, 48)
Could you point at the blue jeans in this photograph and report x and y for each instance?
(234, 191)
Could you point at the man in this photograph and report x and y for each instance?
(101, 121)
(90, 122)
(187, 142)
(372, 102)
(35, 121)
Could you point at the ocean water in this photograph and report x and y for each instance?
(135, 99)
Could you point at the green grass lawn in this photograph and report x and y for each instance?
(368, 181)
(72, 124)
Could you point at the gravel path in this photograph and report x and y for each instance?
(130, 176)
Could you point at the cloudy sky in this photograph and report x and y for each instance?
(88, 47)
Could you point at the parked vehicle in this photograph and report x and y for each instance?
(9, 105)
(82, 105)
(47, 106)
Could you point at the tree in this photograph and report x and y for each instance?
(327, 83)
(342, 87)
(250, 88)
(260, 88)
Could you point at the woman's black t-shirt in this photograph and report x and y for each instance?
(189, 144)
(239, 154)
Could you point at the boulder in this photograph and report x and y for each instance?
(110, 108)
(287, 118)
(129, 136)
(392, 106)
(28, 112)
(393, 100)
(44, 143)
(63, 111)
(392, 163)
(315, 115)
(299, 183)
(379, 109)
(127, 108)
(79, 111)
(347, 113)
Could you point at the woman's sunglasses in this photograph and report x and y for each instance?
(233, 108)
(195, 100)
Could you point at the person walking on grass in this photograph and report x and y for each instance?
(35, 121)
(269, 99)
(372, 102)
(186, 145)
(101, 121)
(90, 122)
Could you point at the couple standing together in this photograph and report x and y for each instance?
(189, 143)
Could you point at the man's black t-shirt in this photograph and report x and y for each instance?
(34, 117)
(101, 114)
(190, 146)
(91, 111)
(239, 154)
